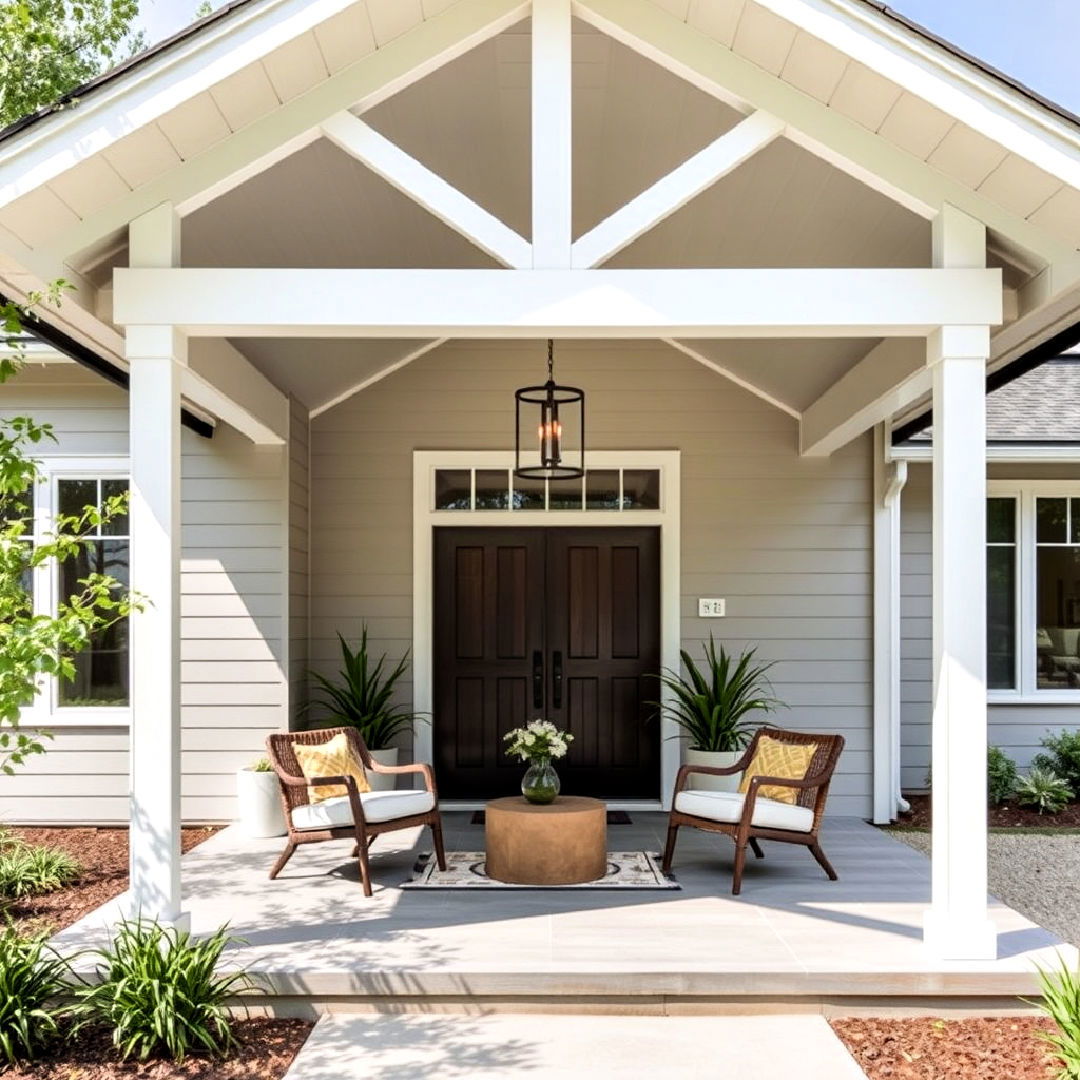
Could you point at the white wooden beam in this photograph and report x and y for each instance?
(745, 384)
(364, 84)
(379, 375)
(157, 356)
(843, 142)
(672, 192)
(223, 382)
(892, 376)
(944, 81)
(552, 169)
(428, 189)
(577, 303)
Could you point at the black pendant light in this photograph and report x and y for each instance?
(549, 438)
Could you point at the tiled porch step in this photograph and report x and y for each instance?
(485, 1047)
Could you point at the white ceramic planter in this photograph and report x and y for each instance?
(718, 759)
(259, 803)
(378, 781)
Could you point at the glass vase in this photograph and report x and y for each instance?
(540, 784)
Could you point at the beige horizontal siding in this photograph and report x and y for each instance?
(232, 613)
(1017, 729)
(785, 540)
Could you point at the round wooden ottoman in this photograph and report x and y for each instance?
(563, 843)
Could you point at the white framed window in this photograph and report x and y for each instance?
(99, 695)
(1033, 591)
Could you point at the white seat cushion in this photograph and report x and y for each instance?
(378, 806)
(727, 806)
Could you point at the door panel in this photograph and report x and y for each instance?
(551, 622)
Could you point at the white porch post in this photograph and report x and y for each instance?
(957, 926)
(889, 480)
(157, 355)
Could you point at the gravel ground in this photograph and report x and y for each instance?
(1034, 873)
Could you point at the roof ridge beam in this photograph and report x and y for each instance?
(868, 157)
(292, 126)
(673, 191)
(426, 188)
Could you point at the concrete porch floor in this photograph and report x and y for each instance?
(792, 940)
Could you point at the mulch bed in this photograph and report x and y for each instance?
(1006, 816)
(103, 856)
(924, 1048)
(267, 1048)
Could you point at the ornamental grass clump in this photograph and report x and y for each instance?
(1001, 776)
(159, 992)
(1061, 1002)
(33, 977)
(1043, 789)
(31, 870)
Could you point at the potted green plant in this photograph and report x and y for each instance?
(258, 800)
(363, 699)
(717, 708)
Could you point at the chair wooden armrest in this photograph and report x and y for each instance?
(711, 770)
(421, 767)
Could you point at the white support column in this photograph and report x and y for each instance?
(889, 480)
(957, 926)
(157, 355)
(551, 134)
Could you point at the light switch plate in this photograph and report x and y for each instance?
(711, 609)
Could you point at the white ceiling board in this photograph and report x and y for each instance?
(142, 155)
(785, 207)
(814, 67)
(967, 156)
(296, 67)
(245, 96)
(194, 126)
(764, 38)
(89, 186)
(322, 208)
(317, 370)
(864, 95)
(346, 37)
(1021, 187)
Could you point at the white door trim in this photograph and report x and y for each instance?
(668, 518)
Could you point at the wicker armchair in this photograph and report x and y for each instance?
(750, 817)
(360, 816)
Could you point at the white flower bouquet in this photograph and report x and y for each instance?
(539, 740)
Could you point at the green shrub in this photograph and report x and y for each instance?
(1043, 789)
(1061, 1002)
(261, 764)
(32, 978)
(1063, 757)
(160, 993)
(29, 870)
(1001, 776)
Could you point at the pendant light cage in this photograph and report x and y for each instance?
(549, 430)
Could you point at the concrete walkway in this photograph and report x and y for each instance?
(547, 1047)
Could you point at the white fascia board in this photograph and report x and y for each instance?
(889, 378)
(291, 127)
(540, 303)
(946, 82)
(221, 380)
(1018, 454)
(844, 143)
(55, 144)
(427, 189)
(676, 189)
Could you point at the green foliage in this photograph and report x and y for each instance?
(32, 978)
(363, 698)
(33, 646)
(1001, 776)
(716, 707)
(160, 993)
(1061, 1002)
(30, 870)
(261, 764)
(1063, 757)
(50, 47)
(1043, 789)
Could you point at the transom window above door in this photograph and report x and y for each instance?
(481, 489)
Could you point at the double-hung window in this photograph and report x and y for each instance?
(1033, 590)
(100, 690)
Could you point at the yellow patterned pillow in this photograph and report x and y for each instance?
(331, 758)
(785, 760)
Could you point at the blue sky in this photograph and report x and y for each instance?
(1035, 41)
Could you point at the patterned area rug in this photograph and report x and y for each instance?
(465, 870)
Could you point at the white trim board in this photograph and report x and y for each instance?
(668, 518)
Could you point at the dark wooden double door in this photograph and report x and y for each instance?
(559, 623)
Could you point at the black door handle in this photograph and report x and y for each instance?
(538, 679)
(556, 680)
